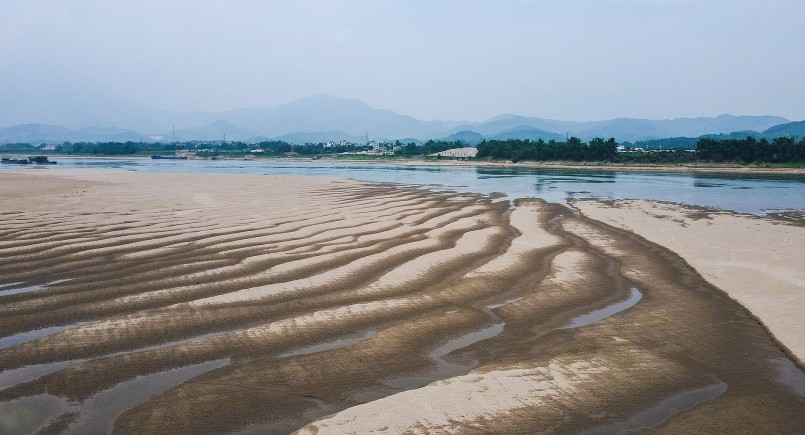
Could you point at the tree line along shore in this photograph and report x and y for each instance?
(782, 150)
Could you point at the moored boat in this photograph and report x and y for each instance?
(36, 160)
(40, 160)
(169, 157)
(8, 161)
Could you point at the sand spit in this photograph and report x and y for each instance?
(759, 262)
(282, 304)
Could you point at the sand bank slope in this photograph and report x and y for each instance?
(759, 262)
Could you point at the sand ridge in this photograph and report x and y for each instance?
(315, 304)
(757, 261)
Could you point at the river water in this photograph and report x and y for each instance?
(746, 193)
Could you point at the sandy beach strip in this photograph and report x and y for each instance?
(219, 303)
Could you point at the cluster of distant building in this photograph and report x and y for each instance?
(375, 148)
(331, 144)
(463, 153)
(625, 149)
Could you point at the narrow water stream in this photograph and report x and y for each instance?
(9, 284)
(602, 313)
(25, 415)
(98, 413)
(329, 345)
(789, 375)
(9, 378)
(444, 368)
(30, 288)
(506, 302)
(22, 337)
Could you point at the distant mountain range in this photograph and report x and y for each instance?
(320, 137)
(42, 117)
(622, 129)
(43, 133)
(791, 129)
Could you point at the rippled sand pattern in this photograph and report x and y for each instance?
(188, 303)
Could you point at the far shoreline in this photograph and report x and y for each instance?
(596, 166)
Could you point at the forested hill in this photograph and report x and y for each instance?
(791, 129)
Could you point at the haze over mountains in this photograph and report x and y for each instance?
(54, 116)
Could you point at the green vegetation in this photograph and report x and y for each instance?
(750, 150)
(574, 150)
(114, 148)
(18, 148)
(429, 147)
(741, 151)
(677, 156)
(276, 148)
(318, 149)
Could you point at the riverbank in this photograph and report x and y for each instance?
(209, 302)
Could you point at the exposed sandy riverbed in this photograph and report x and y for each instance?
(214, 303)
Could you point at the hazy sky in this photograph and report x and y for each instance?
(575, 60)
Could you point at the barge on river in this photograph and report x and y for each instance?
(35, 160)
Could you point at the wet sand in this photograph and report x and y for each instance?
(215, 303)
(760, 262)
